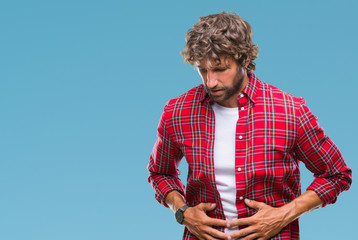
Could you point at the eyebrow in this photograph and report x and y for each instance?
(220, 68)
(214, 68)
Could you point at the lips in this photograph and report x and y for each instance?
(216, 92)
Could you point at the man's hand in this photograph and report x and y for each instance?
(269, 221)
(199, 224)
(195, 218)
(266, 223)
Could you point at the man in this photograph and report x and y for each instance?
(243, 140)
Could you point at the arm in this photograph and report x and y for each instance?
(163, 165)
(332, 176)
(322, 157)
(305, 203)
(195, 218)
(169, 190)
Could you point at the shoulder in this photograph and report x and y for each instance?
(187, 99)
(270, 93)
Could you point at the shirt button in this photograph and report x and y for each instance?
(241, 198)
(239, 169)
(241, 95)
(242, 108)
(240, 137)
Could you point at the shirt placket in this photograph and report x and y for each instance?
(240, 154)
(211, 173)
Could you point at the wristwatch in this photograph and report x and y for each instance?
(179, 214)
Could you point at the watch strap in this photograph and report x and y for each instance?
(183, 208)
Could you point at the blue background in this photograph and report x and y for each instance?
(83, 84)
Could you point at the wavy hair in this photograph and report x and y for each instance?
(223, 34)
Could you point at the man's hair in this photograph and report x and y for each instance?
(224, 34)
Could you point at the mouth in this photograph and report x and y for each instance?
(216, 91)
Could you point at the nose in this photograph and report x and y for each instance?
(212, 80)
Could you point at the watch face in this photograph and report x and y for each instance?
(179, 216)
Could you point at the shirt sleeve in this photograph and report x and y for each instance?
(322, 157)
(163, 165)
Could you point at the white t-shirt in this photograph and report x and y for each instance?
(224, 159)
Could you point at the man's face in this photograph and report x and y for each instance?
(223, 82)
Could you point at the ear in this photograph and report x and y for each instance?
(247, 62)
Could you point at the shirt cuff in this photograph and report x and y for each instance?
(164, 186)
(325, 191)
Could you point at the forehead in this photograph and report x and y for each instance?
(210, 63)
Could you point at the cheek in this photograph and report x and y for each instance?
(241, 72)
(229, 78)
(238, 75)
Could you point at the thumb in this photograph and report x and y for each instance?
(253, 204)
(207, 206)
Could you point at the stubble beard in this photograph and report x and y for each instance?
(228, 92)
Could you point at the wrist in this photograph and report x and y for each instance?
(289, 213)
(179, 214)
(175, 200)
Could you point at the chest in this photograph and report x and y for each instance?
(259, 128)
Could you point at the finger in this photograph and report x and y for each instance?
(209, 237)
(216, 233)
(242, 222)
(252, 237)
(243, 232)
(207, 206)
(216, 222)
(254, 204)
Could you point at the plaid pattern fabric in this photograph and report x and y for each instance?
(274, 133)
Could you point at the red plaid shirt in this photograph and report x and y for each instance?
(275, 131)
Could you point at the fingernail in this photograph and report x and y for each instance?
(247, 200)
(229, 238)
(213, 204)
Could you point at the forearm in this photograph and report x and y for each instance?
(305, 203)
(174, 200)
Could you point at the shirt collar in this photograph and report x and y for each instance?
(250, 91)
